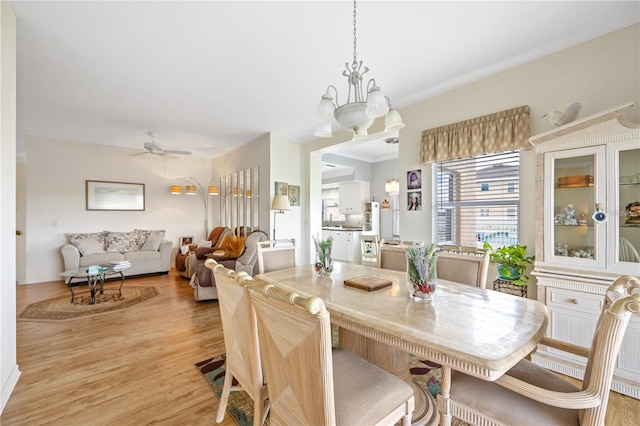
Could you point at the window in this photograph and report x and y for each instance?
(466, 211)
(331, 205)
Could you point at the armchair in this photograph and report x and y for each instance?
(186, 263)
(203, 282)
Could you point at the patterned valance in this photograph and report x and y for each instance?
(503, 131)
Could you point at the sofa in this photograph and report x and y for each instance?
(192, 255)
(203, 281)
(147, 250)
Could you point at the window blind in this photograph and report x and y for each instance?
(477, 200)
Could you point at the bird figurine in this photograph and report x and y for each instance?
(569, 114)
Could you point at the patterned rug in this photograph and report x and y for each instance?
(61, 307)
(240, 405)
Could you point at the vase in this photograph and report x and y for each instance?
(421, 286)
(324, 261)
(508, 272)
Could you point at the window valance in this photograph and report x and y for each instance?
(502, 131)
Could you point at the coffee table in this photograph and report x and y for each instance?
(95, 280)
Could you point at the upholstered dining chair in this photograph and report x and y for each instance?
(276, 254)
(309, 384)
(466, 265)
(392, 255)
(243, 362)
(528, 394)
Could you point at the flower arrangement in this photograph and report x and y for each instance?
(324, 262)
(421, 268)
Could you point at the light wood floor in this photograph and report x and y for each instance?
(136, 366)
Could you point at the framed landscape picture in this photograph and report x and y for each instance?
(281, 188)
(294, 195)
(103, 195)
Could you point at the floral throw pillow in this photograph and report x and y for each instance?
(143, 234)
(121, 242)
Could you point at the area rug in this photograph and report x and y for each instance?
(240, 404)
(61, 307)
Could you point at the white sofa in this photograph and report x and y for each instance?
(147, 250)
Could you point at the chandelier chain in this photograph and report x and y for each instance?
(355, 38)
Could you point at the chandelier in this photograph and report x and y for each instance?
(392, 186)
(358, 113)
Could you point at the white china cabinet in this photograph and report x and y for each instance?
(587, 233)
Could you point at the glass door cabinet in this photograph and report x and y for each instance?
(587, 233)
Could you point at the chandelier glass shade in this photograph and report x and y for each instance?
(359, 112)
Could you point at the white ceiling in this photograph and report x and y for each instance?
(209, 76)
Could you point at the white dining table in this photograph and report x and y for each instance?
(476, 331)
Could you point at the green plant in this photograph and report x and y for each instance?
(512, 261)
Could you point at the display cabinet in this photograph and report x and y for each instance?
(371, 218)
(587, 233)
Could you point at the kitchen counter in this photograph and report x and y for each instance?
(342, 228)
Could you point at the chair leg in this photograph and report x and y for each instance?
(257, 413)
(224, 396)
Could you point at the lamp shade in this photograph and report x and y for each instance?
(190, 190)
(248, 193)
(176, 189)
(280, 202)
(324, 112)
(393, 121)
(392, 186)
(377, 105)
(214, 190)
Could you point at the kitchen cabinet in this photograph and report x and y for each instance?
(587, 180)
(346, 244)
(352, 194)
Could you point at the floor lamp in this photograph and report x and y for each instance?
(279, 204)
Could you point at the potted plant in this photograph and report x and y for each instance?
(512, 261)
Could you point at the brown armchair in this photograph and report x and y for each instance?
(186, 263)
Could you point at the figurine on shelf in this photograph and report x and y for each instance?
(633, 213)
(583, 219)
(569, 214)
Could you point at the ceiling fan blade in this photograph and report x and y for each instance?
(173, 151)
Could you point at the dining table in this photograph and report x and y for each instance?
(476, 331)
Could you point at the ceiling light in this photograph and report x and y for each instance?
(392, 186)
(358, 113)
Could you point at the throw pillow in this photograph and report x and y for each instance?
(78, 236)
(121, 242)
(144, 233)
(87, 246)
(153, 242)
(205, 243)
(233, 245)
(184, 249)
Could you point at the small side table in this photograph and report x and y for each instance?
(505, 286)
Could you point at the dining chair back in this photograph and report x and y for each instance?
(243, 361)
(309, 384)
(529, 394)
(392, 255)
(276, 254)
(466, 265)
(369, 247)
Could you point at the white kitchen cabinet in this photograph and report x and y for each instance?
(352, 194)
(346, 244)
(580, 250)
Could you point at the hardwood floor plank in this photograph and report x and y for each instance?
(135, 366)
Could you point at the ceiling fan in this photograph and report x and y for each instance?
(153, 148)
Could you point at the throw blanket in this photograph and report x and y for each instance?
(205, 275)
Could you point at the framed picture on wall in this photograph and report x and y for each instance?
(414, 200)
(414, 179)
(281, 188)
(103, 195)
(294, 195)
